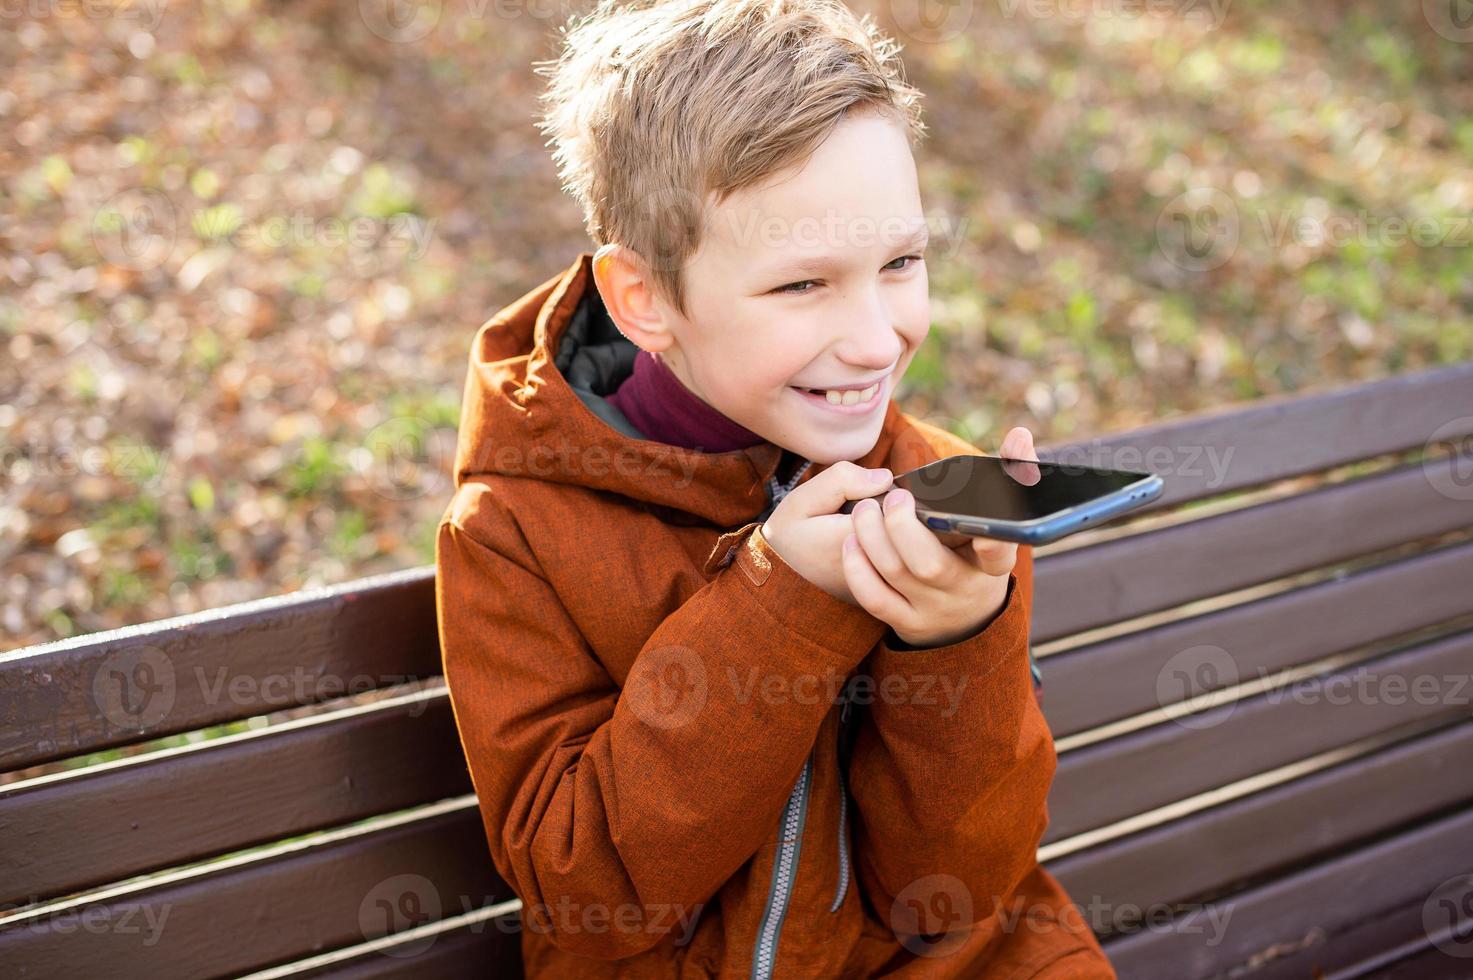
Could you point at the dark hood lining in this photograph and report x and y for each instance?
(592, 354)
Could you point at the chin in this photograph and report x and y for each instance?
(825, 450)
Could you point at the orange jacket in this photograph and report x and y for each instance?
(690, 760)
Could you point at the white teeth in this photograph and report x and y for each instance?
(851, 397)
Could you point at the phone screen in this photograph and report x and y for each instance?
(1009, 489)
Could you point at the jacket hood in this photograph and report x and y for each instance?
(535, 405)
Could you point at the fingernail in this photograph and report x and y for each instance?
(881, 475)
(894, 499)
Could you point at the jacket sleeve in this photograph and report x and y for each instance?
(952, 757)
(950, 771)
(628, 802)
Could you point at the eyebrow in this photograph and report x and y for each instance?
(814, 265)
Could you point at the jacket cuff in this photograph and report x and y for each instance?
(796, 603)
(979, 654)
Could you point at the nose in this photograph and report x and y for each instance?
(870, 341)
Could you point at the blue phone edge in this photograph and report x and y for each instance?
(1045, 530)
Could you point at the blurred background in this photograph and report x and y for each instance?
(244, 247)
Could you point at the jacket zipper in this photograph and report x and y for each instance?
(843, 808)
(795, 815)
(784, 869)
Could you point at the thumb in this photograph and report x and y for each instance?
(993, 556)
(841, 484)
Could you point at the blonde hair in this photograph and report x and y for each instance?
(655, 105)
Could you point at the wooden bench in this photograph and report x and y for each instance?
(1250, 777)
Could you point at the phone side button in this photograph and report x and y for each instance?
(967, 527)
(938, 524)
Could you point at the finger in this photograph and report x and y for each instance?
(994, 557)
(1018, 444)
(869, 588)
(874, 539)
(838, 484)
(926, 559)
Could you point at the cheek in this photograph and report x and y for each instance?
(914, 314)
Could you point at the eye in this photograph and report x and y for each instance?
(916, 258)
(795, 292)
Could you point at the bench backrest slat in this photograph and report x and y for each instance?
(1108, 781)
(1101, 682)
(1325, 897)
(131, 685)
(1255, 834)
(172, 808)
(1243, 446)
(272, 909)
(1150, 571)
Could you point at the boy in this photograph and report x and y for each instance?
(715, 727)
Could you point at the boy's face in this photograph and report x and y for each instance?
(813, 280)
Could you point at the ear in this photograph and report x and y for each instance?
(628, 293)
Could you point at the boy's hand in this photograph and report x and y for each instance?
(806, 530)
(931, 595)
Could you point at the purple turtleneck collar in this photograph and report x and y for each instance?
(664, 409)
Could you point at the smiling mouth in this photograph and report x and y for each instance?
(854, 398)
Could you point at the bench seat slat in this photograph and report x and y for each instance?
(1429, 964)
(1321, 813)
(1115, 678)
(176, 675)
(1284, 435)
(1373, 948)
(1331, 896)
(84, 829)
(485, 950)
(276, 909)
(1108, 781)
(1150, 571)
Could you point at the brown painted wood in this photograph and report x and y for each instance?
(1154, 570)
(1318, 815)
(175, 675)
(1116, 678)
(482, 951)
(270, 910)
(1430, 963)
(1405, 867)
(1108, 781)
(1285, 435)
(1366, 949)
(85, 828)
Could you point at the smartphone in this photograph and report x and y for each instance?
(1017, 499)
